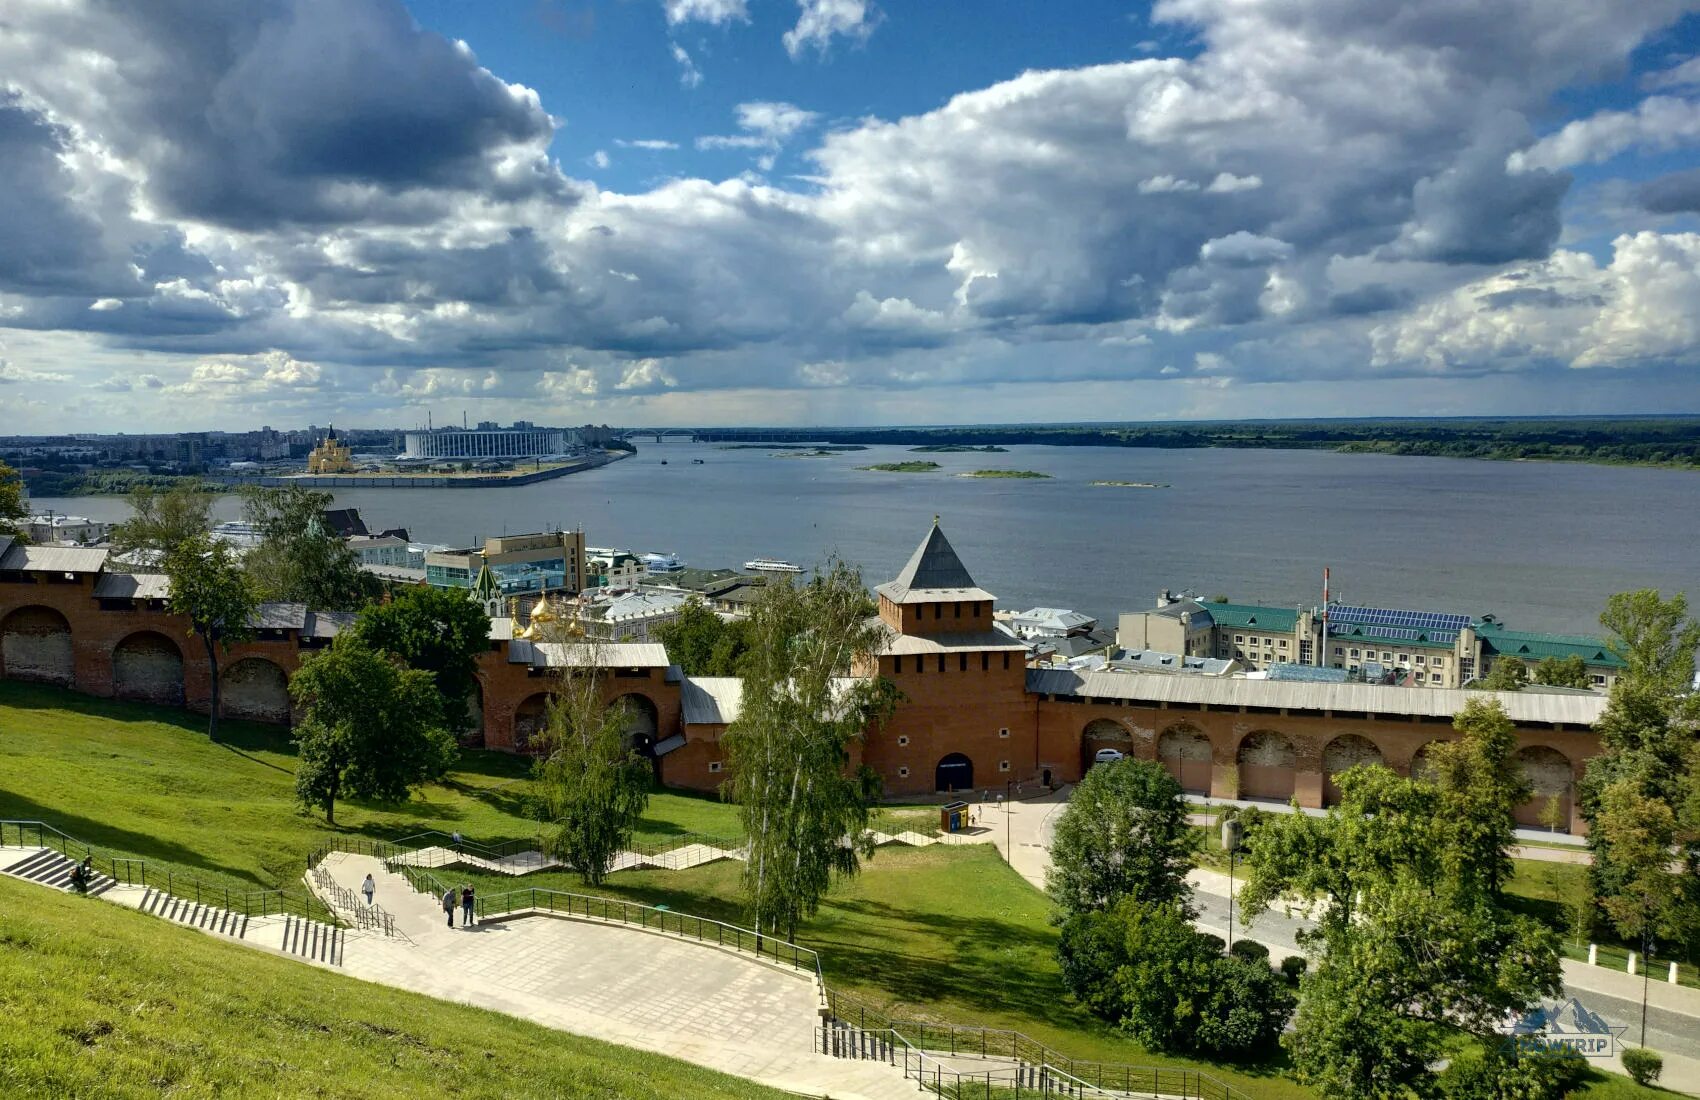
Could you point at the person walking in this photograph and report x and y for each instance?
(457, 841)
(466, 901)
(449, 905)
(368, 888)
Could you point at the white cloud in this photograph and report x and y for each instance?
(1569, 310)
(102, 305)
(1658, 122)
(11, 374)
(1684, 75)
(599, 159)
(645, 374)
(1163, 185)
(705, 11)
(1227, 183)
(689, 75)
(820, 21)
(652, 144)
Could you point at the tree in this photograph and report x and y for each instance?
(160, 521)
(298, 560)
(209, 588)
(370, 727)
(1481, 786)
(1142, 966)
(1570, 671)
(806, 815)
(438, 630)
(593, 786)
(702, 643)
(1507, 674)
(1644, 785)
(1413, 940)
(1124, 833)
(13, 510)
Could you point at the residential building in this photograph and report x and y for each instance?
(56, 527)
(633, 617)
(610, 568)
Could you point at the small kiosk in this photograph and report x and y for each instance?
(953, 817)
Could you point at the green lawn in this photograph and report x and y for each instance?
(145, 781)
(103, 1001)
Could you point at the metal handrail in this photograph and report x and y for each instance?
(701, 929)
(132, 871)
(371, 916)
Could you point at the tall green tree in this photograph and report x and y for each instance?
(13, 510)
(370, 727)
(1481, 786)
(160, 521)
(209, 588)
(1124, 833)
(1570, 671)
(593, 786)
(438, 630)
(298, 559)
(805, 812)
(1643, 781)
(1411, 944)
(702, 643)
(1507, 674)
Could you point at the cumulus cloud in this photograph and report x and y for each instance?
(232, 183)
(1567, 310)
(1658, 122)
(12, 374)
(820, 21)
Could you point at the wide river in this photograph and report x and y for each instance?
(1540, 544)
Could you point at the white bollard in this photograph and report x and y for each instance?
(1632, 963)
(1673, 973)
(1593, 954)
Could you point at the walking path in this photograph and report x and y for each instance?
(649, 990)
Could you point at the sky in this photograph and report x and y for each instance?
(783, 212)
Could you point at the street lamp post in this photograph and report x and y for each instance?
(1646, 972)
(1231, 830)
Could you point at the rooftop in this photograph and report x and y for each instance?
(1278, 620)
(934, 574)
(24, 558)
(1526, 707)
(1532, 646)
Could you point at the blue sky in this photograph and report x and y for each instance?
(843, 212)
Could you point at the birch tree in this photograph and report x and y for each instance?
(803, 808)
(594, 787)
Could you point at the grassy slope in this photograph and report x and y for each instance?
(147, 782)
(103, 1001)
(944, 934)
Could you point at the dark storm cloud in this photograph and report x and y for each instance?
(1677, 193)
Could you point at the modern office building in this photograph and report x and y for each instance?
(488, 441)
(551, 561)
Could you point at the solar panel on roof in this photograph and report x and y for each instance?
(1384, 616)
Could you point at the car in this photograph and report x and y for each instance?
(1107, 756)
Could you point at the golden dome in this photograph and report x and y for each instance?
(543, 612)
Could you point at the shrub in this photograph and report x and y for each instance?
(1241, 1009)
(1216, 944)
(1250, 951)
(1642, 1064)
(1293, 966)
(1490, 1073)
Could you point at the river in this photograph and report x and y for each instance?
(1539, 544)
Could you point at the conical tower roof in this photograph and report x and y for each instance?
(934, 573)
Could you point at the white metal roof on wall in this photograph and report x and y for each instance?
(52, 559)
(711, 700)
(605, 655)
(132, 586)
(1522, 706)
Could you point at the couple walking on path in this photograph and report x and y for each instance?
(467, 900)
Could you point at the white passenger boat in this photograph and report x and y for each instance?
(771, 565)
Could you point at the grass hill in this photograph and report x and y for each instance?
(103, 1001)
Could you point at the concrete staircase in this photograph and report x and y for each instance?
(194, 914)
(46, 867)
(312, 940)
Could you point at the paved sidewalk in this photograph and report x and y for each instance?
(647, 990)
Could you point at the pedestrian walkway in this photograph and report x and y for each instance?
(650, 990)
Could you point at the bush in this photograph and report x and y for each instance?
(1241, 1009)
(1293, 966)
(1250, 951)
(1492, 1074)
(1642, 1064)
(1216, 944)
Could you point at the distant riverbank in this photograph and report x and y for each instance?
(1672, 441)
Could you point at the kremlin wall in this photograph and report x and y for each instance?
(973, 716)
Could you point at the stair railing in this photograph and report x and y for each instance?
(131, 871)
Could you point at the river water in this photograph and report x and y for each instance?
(1540, 544)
